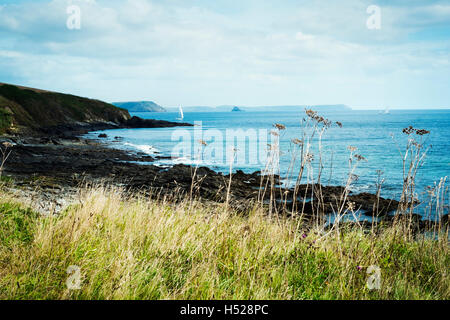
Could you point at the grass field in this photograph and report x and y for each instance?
(134, 248)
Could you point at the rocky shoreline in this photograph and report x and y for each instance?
(48, 169)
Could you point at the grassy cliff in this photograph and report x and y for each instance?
(5, 118)
(35, 109)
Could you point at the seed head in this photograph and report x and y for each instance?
(274, 133)
(297, 141)
(279, 126)
(309, 157)
(411, 130)
(7, 144)
(351, 206)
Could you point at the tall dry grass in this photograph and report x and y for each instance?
(137, 248)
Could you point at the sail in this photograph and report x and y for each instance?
(180, 113)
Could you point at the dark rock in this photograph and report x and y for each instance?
(103, 135)
(373, 205)
(445, 220)
(136, 122)
(163, 158)
(414, 222)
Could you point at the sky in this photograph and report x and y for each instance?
(227, 52)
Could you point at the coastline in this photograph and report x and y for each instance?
(50, 169)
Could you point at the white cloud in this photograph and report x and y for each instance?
(303, 37)
(175, 53)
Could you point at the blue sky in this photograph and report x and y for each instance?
(215, 52)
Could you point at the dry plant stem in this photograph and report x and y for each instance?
(194, 182)
(299, 178)
(375, 210)
(278, 169)
(311, 125)
(321, 203)
(344, 195)
(5, 156)
(310, 181)
(305, 152)
(414, 154)
(289, 176)
(229, 181)
(269, 178)
(412, 160)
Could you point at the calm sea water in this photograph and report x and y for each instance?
(369, 131)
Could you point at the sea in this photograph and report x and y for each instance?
(250, 141)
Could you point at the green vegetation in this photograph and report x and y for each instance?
(5, 120)
(5, 115)
(30, 108)
(135, 248)
(5, 180)
(16, 225)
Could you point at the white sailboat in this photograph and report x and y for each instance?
(386, 111)
(180, 113)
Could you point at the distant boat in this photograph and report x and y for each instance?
(180, 114)
(386, 111)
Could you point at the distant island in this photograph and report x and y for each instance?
(279, 108)
(140, 106)
(236, 109)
